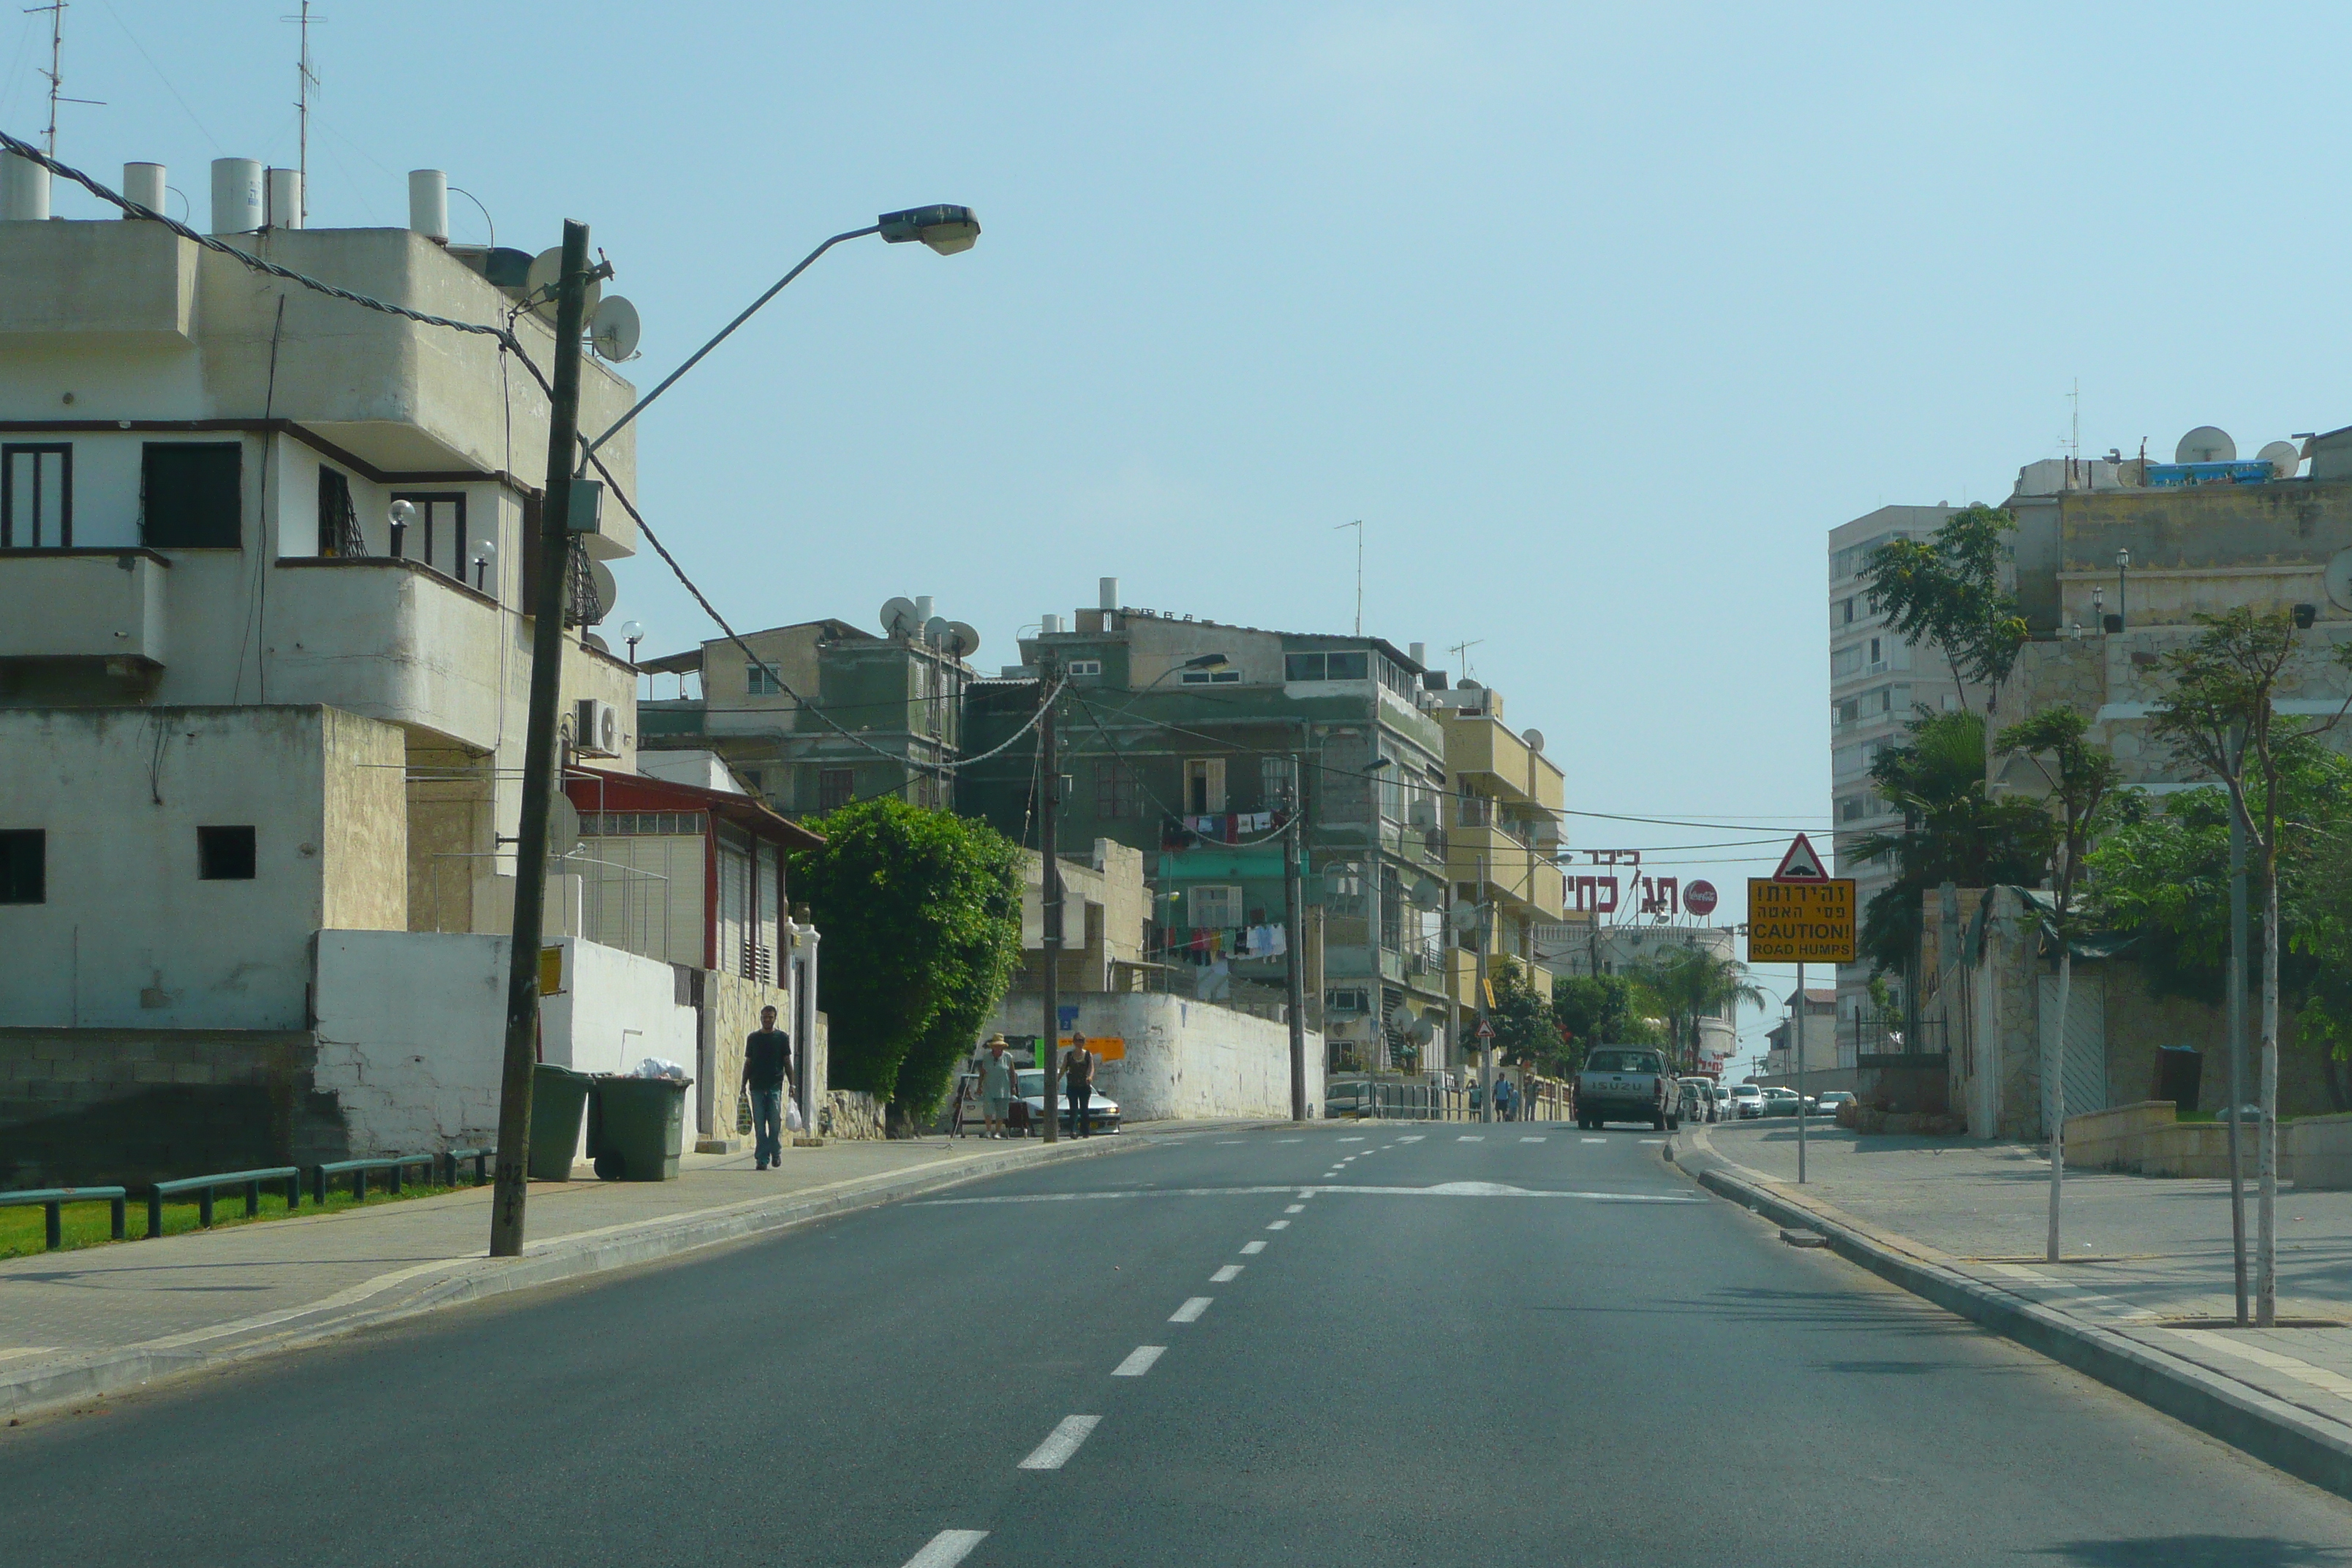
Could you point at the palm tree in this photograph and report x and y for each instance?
(1695, 984)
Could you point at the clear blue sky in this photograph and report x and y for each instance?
(1599, 317)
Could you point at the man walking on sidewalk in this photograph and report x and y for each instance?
(1079, 1080)
(767, 1074)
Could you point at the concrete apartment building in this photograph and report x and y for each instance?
(1878, 679)
(260, 743)
(820, 713)
(1181, 740)
(1501, 816)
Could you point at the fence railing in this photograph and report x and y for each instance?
(206, 1186)
(53, 1200)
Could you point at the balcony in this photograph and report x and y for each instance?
(1517, 870)
(1483, 748)
(84, 605)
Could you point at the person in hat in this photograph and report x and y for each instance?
(998, 1085)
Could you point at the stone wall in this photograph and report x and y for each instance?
(1183, 1058)
(123, 1107)
(850, 1113)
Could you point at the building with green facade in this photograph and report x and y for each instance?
(1194, 742)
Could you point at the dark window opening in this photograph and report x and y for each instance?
(835, 787)
(1115, 791)
(224, 853)
(439, 538)
(191, 494)
(36, 497)
(338, 524)
(24, 866)
(1350, 666)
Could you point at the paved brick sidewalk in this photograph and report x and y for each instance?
(2152, 1250)
(185, 1299)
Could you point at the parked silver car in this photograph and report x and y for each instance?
(1747, 1102)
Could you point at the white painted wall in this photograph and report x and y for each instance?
(615, 1010)
(1184, 1058)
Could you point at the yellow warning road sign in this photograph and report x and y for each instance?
(1801, 922)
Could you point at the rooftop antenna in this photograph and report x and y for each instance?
(56, 73)
(1461, 651)
(1359, 526)
(2075, 438)
(305, 81)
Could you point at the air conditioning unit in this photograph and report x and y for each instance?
(596, 728)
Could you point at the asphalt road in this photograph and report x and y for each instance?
(1379, 1344)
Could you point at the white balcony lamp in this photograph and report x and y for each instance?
(484, 556)
(400, 514)
(633, 633)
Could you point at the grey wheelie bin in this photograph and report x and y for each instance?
(557, 1094)
(636, 1128)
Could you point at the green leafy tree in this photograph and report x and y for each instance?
(2083, 790)
(1522, 1019)
(1952, 832)
(1945, 589)
(1694, 984)
(1590, 1010)
(921, 915)
(2221, 715)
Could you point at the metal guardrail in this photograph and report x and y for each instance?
(206, 1186)
(324, 1176)
(53, 1201)
(481, 1159)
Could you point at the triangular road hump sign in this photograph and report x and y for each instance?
(1801, 863)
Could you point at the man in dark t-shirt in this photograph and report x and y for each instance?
(767, 1075)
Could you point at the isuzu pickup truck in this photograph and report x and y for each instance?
(1625, 1083)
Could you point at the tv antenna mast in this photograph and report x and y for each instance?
(1359, 526)
(306, 81)
(1461, 651)
(56, 73)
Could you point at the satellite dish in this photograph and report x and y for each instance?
(899, 617)
(962, 641)
(599, 644)
(600, 577)
(2206, 444)
(1423, 1030)
(1466, 684)
(2283, 456)
(2339, 580)
(935, 631)
(613, 329)
(1534, 740)
(1428, 893)
(1463, 916)
(546, 268)
(562, 825)
(1399, 1018)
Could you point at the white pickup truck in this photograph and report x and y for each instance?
(1625, 1083)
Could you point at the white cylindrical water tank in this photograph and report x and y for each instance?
(286, 198)
(1051, 626)
(1109, 597)
(239, 201)
(1420, 653)
(923, 609)
(23, 190)
(428, 204)
(143, 183)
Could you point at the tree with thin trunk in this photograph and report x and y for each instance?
(2221, 716)
(1947, 589)
(1692, 985)
(2083, 781)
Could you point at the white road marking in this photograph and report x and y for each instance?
(1592, 1140)
(1538, 1139)
(1228, 1143)
(947, 1548)
(1190, 1312)
(1252, 1248)
(1295, 1191)
(1472, 1138)
(1061, 1442)
(1412, 1138)
(1279, 1224)
(1139, 1360)
(1358, 1139)
(1653, 1140)
(1290, 1140)
(1227, 1274)
(1296, 1208)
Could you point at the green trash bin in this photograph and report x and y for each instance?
(557, 1094)
(636, 1127)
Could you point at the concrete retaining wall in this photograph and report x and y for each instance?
(2145, 1140)
(1184, 1058)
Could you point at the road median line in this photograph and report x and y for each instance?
(2302, 1443)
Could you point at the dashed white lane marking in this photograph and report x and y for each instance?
(1412, 1138)
(1472, 1138)
(1538, 1139)
(1252, 1248)
(1277, 1225)
(1592, 1140)
(1296, 1208)
(1229, 1143)
(1653, 1140)
(1227, 1274)
(1139, 1360)
(947, 1548)
(1358, 1139)
(1061, 1442)
(1290, 1140)
(1190, 1312)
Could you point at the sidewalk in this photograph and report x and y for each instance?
(75, 1325)
(1965, 1225)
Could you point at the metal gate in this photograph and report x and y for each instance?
(2084, 1070)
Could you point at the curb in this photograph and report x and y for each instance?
(48, 1386)
(2305, 1445)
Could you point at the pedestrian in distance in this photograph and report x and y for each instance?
(1078, 1081)
(997, 1082)
(767, 1075)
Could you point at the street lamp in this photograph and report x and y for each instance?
(947, 230)
(633, 633)
(1198, 661)
(400, 514)
(2122, 590)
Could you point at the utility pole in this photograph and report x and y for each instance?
(1800, 1073)
(1294, 849)
(1049, 824)
(2237, 1006)
(538, 768)
(1485, 1030)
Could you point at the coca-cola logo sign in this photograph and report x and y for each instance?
(1698, 897)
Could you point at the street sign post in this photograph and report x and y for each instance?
(1800, 914)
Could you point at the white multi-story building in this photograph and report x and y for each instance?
(260, 744)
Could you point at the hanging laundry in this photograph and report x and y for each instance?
(1277, 942)
(1256, 821)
